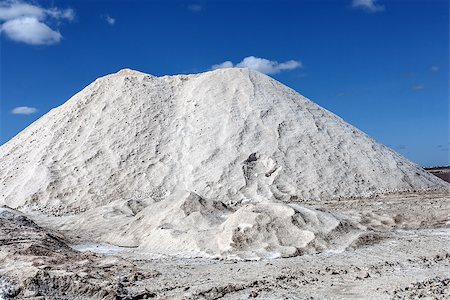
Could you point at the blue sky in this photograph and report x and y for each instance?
(380, 65)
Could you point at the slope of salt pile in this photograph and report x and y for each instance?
(211, 164)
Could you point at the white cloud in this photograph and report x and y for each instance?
(261, 64)
(435, 68)
(28, 23)
(29, 30)
(66, 14)
(24, 110)
(14, 9)
(225, 64)
(368, 5)
(195, 7)
(110, 20)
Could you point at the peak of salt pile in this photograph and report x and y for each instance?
(129, 72)
(229, 153)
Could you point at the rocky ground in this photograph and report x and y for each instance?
(405, 259)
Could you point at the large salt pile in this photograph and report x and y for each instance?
(213, 164)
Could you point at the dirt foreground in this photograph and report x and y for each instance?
(406, 259)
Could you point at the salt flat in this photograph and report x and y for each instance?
(407, 260)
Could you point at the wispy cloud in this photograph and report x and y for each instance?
(260, 64)
(110, 20)
(195, 7)
(28, 23)
(418, 87)
(368, 5)
(435, 68)
(24, 110)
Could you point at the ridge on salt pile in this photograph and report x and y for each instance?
(211, 164)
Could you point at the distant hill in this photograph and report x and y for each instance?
(442, 172)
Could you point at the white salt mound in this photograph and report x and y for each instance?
(211, 164)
